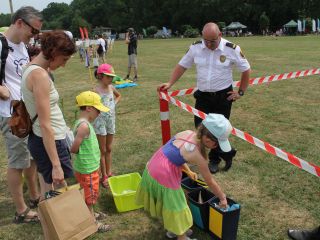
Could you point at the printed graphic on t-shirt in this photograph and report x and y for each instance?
(19, 64)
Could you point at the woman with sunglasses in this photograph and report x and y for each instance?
(160, 189)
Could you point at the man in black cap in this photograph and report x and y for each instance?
(131, 40)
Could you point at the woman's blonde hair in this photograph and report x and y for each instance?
(203, 131)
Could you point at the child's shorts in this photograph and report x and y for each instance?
(90, 184)
(105, 124)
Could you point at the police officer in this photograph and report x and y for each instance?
(214, 58)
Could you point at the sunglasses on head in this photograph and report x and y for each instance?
(34, 31)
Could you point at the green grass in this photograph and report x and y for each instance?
(274, 194)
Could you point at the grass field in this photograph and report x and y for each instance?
(274, 194)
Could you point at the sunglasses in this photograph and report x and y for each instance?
(34, 31)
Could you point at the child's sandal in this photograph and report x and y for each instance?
(104, 182)
(103, 227)
(99, 216)
(110, 175)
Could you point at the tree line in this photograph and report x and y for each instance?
(257, 15)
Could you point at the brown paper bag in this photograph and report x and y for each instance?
(68, 188)
(66, 217)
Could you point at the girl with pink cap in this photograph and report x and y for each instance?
(104, 125)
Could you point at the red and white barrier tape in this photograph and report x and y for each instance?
(298, 162)
(182, 92)
(258, 80)
(283, 76)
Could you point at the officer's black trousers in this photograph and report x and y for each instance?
(209, 102)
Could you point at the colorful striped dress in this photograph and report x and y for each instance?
(160, 189)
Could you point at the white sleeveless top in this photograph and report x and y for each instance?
(56, 118)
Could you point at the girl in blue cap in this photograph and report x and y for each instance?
(160, 189)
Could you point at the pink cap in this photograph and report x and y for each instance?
(106, 69)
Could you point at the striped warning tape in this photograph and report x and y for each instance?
(256, 81)
(298, 162)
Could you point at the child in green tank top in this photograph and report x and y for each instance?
(86, 149)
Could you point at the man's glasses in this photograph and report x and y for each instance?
(211, 41)
(34, 31)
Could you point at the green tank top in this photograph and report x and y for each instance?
(87, 160)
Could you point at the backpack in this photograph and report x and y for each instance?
(4, 50)
(100, 49)
(20, 122)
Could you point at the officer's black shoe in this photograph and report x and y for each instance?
(304, 234)
(227, 157)
(213, 167)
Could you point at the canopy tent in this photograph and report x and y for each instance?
(235, 26)
(3, 29)
(291, 24)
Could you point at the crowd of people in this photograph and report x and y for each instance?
(28, 76)
(97, 51)
(45, 150)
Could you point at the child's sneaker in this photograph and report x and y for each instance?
(135, 79)
(172, 235)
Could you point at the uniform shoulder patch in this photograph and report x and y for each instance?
(231, 45)
(197, 42)
(242, 55)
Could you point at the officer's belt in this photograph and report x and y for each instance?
(228, 89)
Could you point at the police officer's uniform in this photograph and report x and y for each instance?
(214, 77)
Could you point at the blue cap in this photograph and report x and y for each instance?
(221, 128)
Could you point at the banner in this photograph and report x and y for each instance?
(86, 33)
(81, 33)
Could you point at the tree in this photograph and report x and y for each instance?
(152, 30)
(57, 16)
(191, 33)
(77, 22)
(221, 25)
(258, 15)
(264, 22)
(5, 20)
